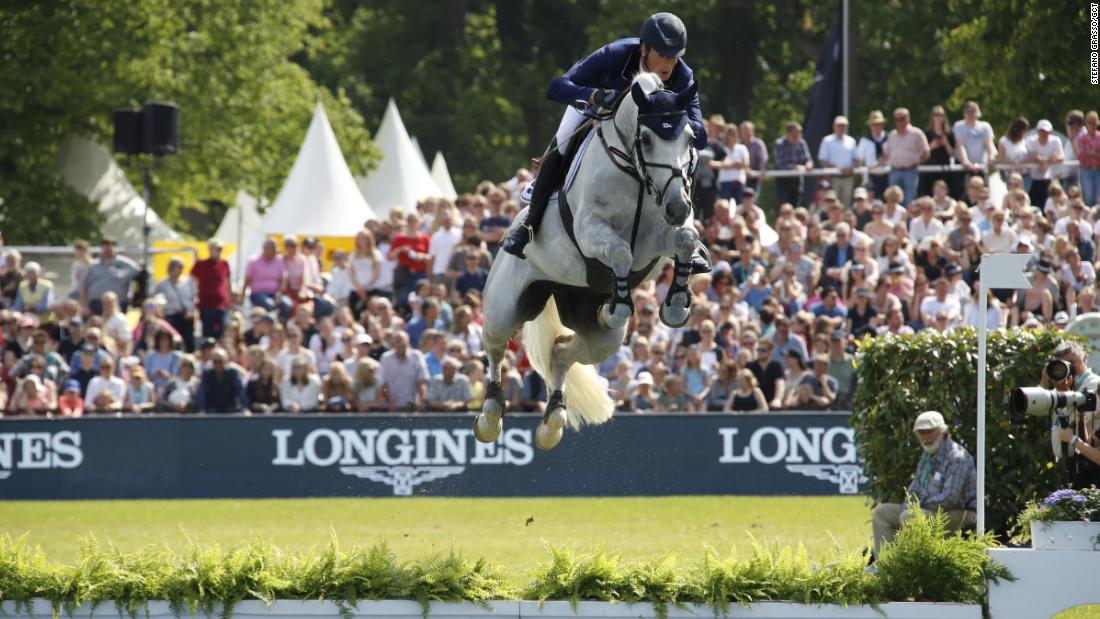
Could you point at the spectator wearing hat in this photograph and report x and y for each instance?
(32, 396)
(870, 150)
(643, 398)
(1045, 150)
(110, 273)
(945, 481)
(816, 390)
(34, 294)
(70, 403)
(211, 277)
(838, 150)
(906, 148)
(791, 153)
(1000, 238)
(179, 296)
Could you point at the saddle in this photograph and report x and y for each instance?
(599, 276)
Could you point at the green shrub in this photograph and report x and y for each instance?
(923, 563)
(902, 376)
(926, 562)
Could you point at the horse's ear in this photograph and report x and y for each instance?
(638, 95)
(684, 97)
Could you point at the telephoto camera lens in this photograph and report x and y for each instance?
(1057, 370)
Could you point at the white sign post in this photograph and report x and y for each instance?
(997, 271)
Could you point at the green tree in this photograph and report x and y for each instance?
(1021, 57)
(244, 103)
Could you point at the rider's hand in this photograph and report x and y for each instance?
(604, 97)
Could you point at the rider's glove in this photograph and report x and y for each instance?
(604, 97)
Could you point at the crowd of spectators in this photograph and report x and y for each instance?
(394, 325)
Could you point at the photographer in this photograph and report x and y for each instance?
(1080, 432)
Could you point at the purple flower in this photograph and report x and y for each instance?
(1064, 496)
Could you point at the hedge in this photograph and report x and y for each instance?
(901, 376)
(924, 563)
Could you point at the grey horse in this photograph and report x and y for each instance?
(625, 213)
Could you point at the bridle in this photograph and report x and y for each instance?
(633, 161)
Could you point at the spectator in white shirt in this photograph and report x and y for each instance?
(301, 391)
(115, 324)
(445, 236)
(999, 238)
(926, 223)
(106, 392)
(838, 150)
(942, 301)
(1046, 151)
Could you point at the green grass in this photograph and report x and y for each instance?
(510, 532)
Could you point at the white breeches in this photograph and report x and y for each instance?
(569, 123)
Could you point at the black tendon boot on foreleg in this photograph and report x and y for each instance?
(547, 181)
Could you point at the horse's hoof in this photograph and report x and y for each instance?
(616, 319)
(550, 430)
(488, 425)
(674, 316)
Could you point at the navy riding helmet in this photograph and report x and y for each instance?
(665, 34)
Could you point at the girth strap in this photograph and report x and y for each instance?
(599, 276)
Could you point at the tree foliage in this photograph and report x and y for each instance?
(244, 102)
(902, 376)
(469, 77)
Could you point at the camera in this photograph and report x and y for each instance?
(1044, 402)
(1057, 370)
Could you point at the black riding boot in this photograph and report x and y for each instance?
(546, 183)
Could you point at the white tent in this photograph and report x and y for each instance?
(319, 197)
(90, 169)
(402, 178)
(240, 226)
(442, 176)
(416, 146)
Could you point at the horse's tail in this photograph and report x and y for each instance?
(586, 397)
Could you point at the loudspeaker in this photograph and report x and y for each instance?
(128, 131)
(161, 133)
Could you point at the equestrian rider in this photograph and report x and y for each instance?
(599, 79)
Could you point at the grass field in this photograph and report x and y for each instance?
(510, 532)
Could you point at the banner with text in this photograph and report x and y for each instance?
(423, 455)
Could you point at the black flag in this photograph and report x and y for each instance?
(824, 103)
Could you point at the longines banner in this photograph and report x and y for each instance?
(426, 455)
